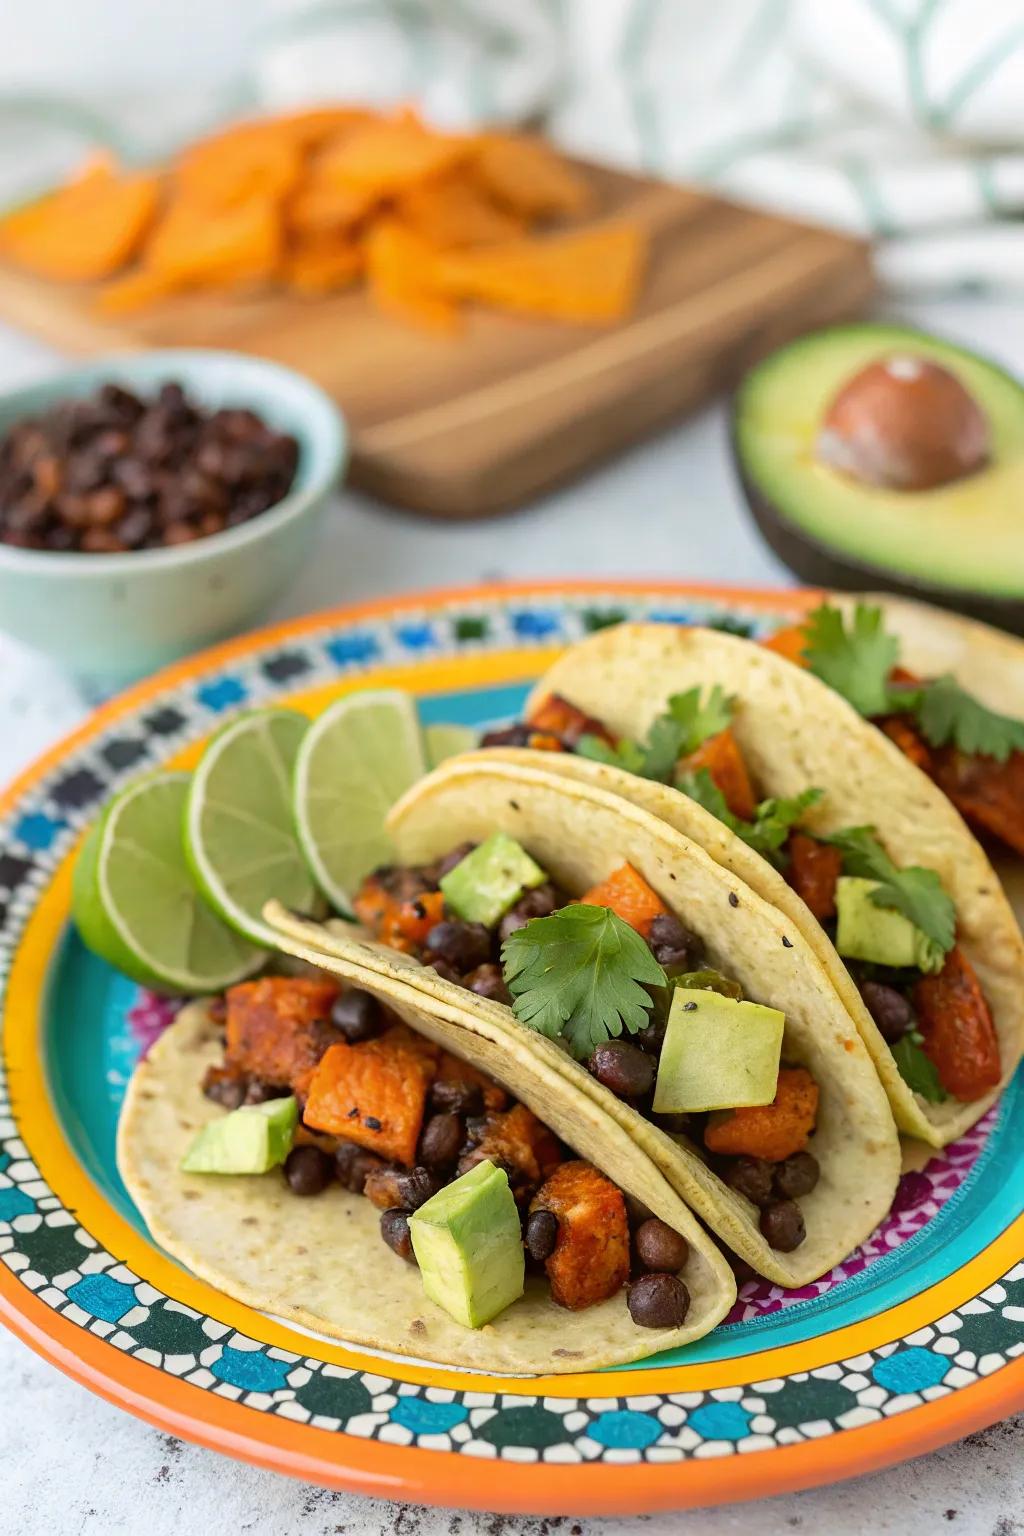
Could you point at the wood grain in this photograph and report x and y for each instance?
(480, 423)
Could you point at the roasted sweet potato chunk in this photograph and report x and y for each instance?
(722, 758)
(772, 1131)
(788, 642)
(814, 870)
(627, 894)
(562, 719)
(520, 1141)
(278, 1028)
(451, 1069)
(903, 734)
(590, 1261)
(373, 1094)
(959, 1035)
(401, 923)
(988, 794)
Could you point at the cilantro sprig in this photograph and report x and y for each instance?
(773, 820)
(579, 975)
(917, 1070)
(916, 892)
(857, 659)
(686, 724)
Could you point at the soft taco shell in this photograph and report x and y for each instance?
(580, 834)
(321, 1263)
(795, 732)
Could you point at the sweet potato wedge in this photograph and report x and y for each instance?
(627, 894)
(278, 1028)
(722, 758)
(590, 1261)
(373, 1094)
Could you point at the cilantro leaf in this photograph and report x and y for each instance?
(687, 722)
(773, 821)
(580, 975)
(917, 893)
(946, 712)
(856, 662)
(917, 1070)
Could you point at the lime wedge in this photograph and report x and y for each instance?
(443, 741)
(354, 763)
(239, 836)
(135, 903)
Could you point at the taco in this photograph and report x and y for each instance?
(315, 1116)
(663, 991)
(787, 786)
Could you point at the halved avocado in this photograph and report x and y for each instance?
(959, 544)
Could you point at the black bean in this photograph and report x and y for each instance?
(889, 1009)
(445, 971)
(796, 1176)
(672, 944)
(623, 1068)
(415, 1187)
(441, 1141)
(461, 945)
(259, 1092)
(354, 1165)
(461, 1098)
(652, 1037)
(394, 1229)
(659, 1247)
(448, 863)
(658, 1301)
(637, 1212)
(541, 1234)
(672, 1122)
(308, 1170)
(226, 1091)
(752, 1177)
(782, 1224)
(508, 736)
(540, 902)
(357, 1014)
(487, 981)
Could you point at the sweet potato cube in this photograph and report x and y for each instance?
(564, 720)
(452, 1069)
(591, 1257)
(279, 1027)
(722, 758)
(814, 870)
(520, 1140)
(627, 894)
(772, 1131)
(373, 1094)
(788, 642)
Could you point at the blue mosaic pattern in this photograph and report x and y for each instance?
(63, 1265)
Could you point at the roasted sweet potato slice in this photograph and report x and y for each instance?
(564, 720)
(722, 757)
(959, 1035)
(249, 160)
(627, 894)
(373, 1094)
(452, 211)
(234, 246)
(529, 177)
(814, 870)
(390, 155)
(279, 1027)
(590, 1261)
(772, 1131)
(400, 267)
(86, 230)
(318, 208)
(588, 278)
(316, 266)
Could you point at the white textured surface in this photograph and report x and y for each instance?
(71, 1463)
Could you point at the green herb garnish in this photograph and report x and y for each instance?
(945, 712)
(917, 893)
(917, 1070)
(686, 724)
(579, 975)
(773, 820)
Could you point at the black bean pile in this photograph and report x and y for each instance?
(116, 472)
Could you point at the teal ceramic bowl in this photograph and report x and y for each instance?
(112, 618)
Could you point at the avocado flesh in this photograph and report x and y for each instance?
(865, 931)
(469, 1246)
(252, 1139)
(483, 885)
(961, 537)
(717, 1054)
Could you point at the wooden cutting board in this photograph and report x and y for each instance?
(461, 427)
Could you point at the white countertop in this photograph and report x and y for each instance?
(70, 1462)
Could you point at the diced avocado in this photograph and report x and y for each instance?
(469, 1246)
(880, 934)
(483, 885)
(252, 1139)
(718, 1053)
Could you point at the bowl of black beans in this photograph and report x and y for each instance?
(152, 503)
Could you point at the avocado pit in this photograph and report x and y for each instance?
(904, 423)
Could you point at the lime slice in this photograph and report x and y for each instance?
(356, 760)
(443, 741)
(135, 903)
(239, 836)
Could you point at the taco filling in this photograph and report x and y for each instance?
(326, 1084)
(624, 987)
(895, 929)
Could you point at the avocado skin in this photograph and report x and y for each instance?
(819, 566)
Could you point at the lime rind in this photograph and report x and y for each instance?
(134, 902)
(240, 840)
(355, 761)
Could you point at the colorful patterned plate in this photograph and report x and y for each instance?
(916, 1340)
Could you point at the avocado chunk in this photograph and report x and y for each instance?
(865, 931)
(957, 542)
(718, 1053)
(483, 885)
(252, 1139)
(469, 1246)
